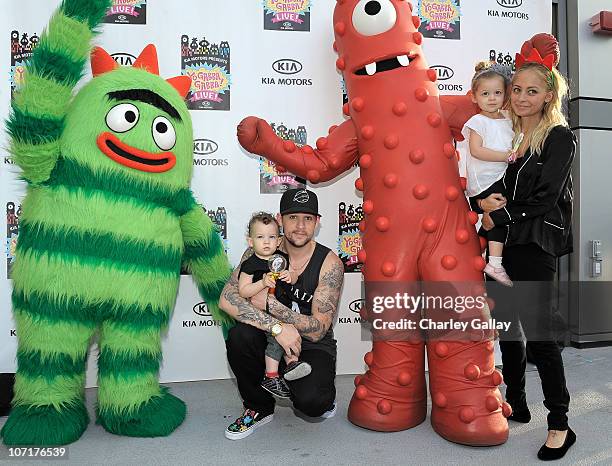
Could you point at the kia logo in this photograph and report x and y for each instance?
(356, 305)
(444, 72)
(124, 59)
(204, 147)
(510, 3)
(201, 309)
(287, 66)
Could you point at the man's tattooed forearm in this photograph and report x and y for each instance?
(246, 312)
(309, 327)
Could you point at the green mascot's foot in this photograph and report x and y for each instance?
(157, 417)
(45, 425)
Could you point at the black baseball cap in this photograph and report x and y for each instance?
(299, 201)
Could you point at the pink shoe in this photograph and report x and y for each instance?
(499, 274)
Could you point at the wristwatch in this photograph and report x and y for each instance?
(276, 329)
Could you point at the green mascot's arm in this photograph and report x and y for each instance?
(38, 109)
(206, 260)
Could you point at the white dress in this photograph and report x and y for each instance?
(496, 135)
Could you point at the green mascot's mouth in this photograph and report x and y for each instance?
(132, 157)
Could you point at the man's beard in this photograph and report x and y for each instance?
(297, 245)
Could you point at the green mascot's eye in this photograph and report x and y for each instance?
(122, 117)
(163, 133)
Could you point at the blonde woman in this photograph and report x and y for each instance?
(538, 213)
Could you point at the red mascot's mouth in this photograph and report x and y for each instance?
(386, 64)
(132, 157)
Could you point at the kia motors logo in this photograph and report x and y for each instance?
(444, 72)
(204, 146)
(510, 3)
(201, 309)
(356, 305)
(124, 59)
(287, 66)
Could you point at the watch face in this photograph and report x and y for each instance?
(276, 329)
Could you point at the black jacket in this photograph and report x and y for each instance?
(539, 193)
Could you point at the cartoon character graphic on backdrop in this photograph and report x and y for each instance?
(107, 222)
(418, 231)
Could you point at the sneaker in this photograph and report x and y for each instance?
(276, 386)
(499, 274)
(246, 424)
(331, 412)
(296, 370)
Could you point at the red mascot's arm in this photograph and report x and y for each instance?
(334, 154)
(457, 109)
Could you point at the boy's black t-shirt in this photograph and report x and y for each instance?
(258, 267)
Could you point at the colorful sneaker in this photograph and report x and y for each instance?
(499, 274)
(296, 370)
(276, 386)
(246, 424)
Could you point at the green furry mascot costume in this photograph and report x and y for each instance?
(107, 223)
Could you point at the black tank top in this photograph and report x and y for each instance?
(301, 295)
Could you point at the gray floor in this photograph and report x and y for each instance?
(292, 440)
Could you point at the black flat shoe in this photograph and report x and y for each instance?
(520, 415)
(550, 454)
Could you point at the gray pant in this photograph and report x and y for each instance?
(273, 349)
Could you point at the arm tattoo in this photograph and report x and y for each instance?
(247, 313)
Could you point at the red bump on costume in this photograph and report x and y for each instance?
(384, 407)
(388, 269)
(357, 103)
(492, 403)
(365, 161)
(340, 64)
(359, 184)
(308, 150)
(449, 262)
(440, 400)
(441, 349)
(417, 156)
(471, 372)
(483, 243)
(334, 161)
(391, 141)
(335, 47)
(313, 176)
(345, 109)
(506, 409)
(430, 225)
(399, 108)
(421, 94)
(280, 169)
(368, 358)
(497, 378)
(462, 236)
(432, 75)
(467, 415)
(331, 129)
(340, 28)
(463, 182)
(434, 119)
(420, 191)
(416, 21)
(361, 392)
(404, 378)
(390, 180)
(368, 206)
(321, 143)
(418, 38)
(367, 132)
(362, 226)
(357, 380)
(449, 150)
(382, 224)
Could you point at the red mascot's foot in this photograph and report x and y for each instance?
(392, 395)
(467, 407)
